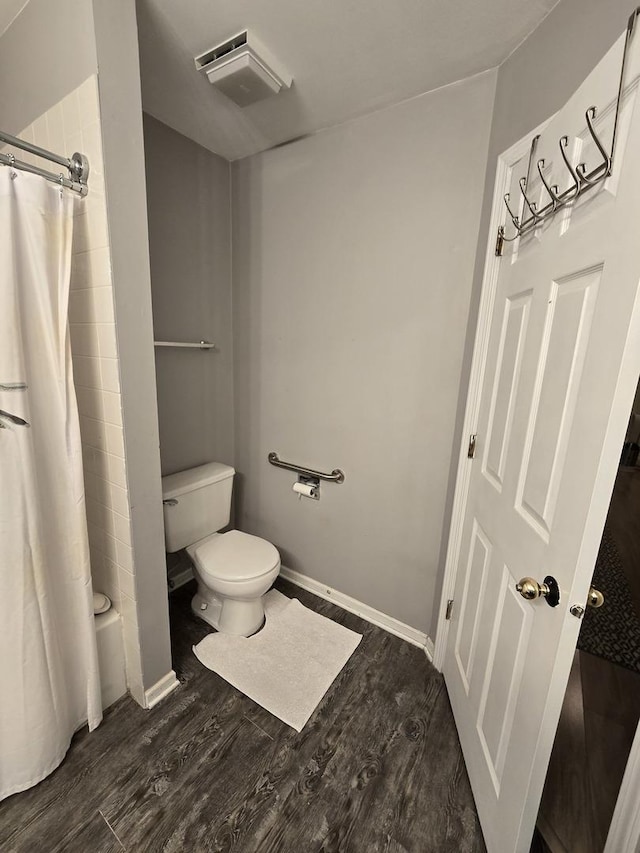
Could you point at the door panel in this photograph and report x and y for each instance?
(516, 313)
(503, 676)
(560, 365)
(556, 383)
(475, 586)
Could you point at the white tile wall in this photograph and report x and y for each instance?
(74, 125)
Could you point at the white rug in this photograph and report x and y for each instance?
(289, 665)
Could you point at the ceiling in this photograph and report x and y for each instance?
(347, 58)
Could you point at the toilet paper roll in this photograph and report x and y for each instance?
(304, 490)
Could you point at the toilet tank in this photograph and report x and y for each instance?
(196, 502)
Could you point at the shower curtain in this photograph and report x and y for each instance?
(49, 683)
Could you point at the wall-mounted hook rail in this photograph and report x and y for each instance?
(336, 476)
(581, 180)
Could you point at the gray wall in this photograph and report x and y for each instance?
(189, 207)
(46, 53)
(352, 263)
(122, 139)
(536, 80)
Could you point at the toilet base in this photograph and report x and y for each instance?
(228, 615)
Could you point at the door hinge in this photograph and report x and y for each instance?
(471, 452)
(500, 241)
(447, 615)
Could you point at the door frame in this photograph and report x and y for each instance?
(624, 830)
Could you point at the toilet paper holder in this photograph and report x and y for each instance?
(311, 487)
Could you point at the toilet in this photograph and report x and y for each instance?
(234, 570)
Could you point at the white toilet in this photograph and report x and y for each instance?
(234, 570)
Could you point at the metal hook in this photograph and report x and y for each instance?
(514, 218)
(581, 169)
(590, 116)
(12, 161)
(604, 169)
(564, 142)
(581, 180)
(530, 204)
(552, 190)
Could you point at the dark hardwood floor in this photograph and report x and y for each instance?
(377, 769)
(599, 716)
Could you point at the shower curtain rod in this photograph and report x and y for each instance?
(77, 165)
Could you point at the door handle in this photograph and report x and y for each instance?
(548, 589)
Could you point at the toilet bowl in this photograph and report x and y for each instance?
(233, 570)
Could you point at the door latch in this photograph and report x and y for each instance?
(471, 452)
(595, 598)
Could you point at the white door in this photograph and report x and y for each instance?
(556, 364)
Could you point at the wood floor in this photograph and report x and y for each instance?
(377, 769)
(599, 716)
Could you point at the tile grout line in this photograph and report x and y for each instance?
(112, 830)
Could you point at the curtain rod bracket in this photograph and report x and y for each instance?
(77, 165)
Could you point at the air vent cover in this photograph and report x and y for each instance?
(243, 70)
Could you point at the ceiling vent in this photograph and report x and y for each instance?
(243, 70)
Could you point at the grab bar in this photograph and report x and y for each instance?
(336, 476)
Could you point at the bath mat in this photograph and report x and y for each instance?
(289, 665)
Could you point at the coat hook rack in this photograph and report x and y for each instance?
(581, 180)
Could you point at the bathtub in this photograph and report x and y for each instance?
(113, 683)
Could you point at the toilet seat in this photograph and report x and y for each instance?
(234, 556)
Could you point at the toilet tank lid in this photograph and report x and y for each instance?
(181, 482)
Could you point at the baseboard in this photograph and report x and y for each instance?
(160, 690)
(370, 614)
(180, 578)
(429, 649)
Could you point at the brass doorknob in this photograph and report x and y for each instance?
(531, 589)
(595, 598)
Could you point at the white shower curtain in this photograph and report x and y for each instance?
(49, 683)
